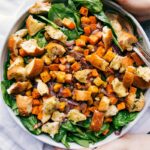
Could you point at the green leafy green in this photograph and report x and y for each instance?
(84, 143)
(102, 17)
(56, 13)
(85, 124)
(94, 6)
(64, 141)
(104, 127)
(40, 39)
(9, 99)
(68, 125)
(29, 123)
(123, 118)
(60, 134)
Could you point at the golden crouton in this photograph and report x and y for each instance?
(107, 37)
(18, 87)
(119, 88)
(33, 25)
(82, 75)
(97, 62)
(42, 87)
(31, 48)
(55, 50)
(55, 34)
(24, 104)
(40, 8)
(34, 68)
(104, 104)
(80, 95)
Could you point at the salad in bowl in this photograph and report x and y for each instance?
(72, 72)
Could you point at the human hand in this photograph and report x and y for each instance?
(140, 8)
(129, 142)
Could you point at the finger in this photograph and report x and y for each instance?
(136, 7)
(115, 145)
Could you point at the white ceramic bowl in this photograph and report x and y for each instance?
(44, 138)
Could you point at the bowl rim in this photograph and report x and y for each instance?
(72, 145)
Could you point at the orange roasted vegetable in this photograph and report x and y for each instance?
(81, 95)
(97, 121)
(97, 62)
(84, 11)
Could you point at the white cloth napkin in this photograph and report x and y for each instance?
(12, 137)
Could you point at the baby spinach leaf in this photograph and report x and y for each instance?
(84, 143)
(64, 141)
(94, 6)
(85, 124)
(102, 17)
(123, 118)
(68, 125)
(9, 99)
(104, 127)
(40, 39)
(29, 123)
(59, 135)
(56, 13)
(48, 21)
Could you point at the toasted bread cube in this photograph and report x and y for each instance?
(54, 50)
(40, 8)
(82, 75)
(93, 89)
(112, 111)
(42, 87)
(49, 104)
(135, 104)
(128, 79)
(58, 117)
(97, 62)
(24, 104)
(98, 81)
(51, 128)
(34, 68)
(109, 56)
(31, 48)
(75, 116)
(107, 37)
(17, 72)
(104, 104)
(33, 25)
(45, 76)
(18, 87)
(119, 88)
(126, 40)
(144, 73)
(55, 34)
